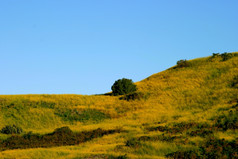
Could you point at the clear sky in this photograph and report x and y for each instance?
(83, 46)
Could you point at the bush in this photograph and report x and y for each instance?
(63, 130)
(123, 86)
(223, 57)
(11, 129)
(226, 56)
(182, 63)
(215, 55)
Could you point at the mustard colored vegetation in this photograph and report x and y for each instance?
(187, 111)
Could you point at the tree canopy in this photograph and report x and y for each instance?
(123, 86)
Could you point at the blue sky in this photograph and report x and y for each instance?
(83, 46)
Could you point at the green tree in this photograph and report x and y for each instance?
(123, 86)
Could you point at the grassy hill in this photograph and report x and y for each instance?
(189, 110)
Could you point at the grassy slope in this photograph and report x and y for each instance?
(197, 93)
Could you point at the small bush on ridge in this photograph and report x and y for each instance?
(182, 63)
(224, 56)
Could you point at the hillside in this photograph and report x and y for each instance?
(185, 111)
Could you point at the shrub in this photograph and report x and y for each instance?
(182, 63)
(11, 129)
(215, 55)
(123, 86)
(63, 130)
(226, 56)
(223, 57)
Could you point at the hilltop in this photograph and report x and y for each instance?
(189, 110)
